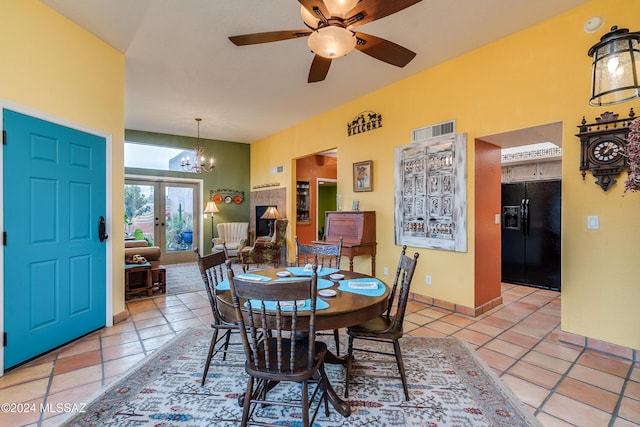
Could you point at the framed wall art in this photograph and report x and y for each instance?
(430, 194)
(363, 176)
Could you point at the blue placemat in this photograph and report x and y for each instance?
(271, 305)
(300, 271)
(379, 290)
(322, 283)
(224, 285)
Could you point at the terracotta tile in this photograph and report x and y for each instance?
(597, 378)
(575, 412)
(118, 351)
(459, 320)
(418, 319)
(434, 312)
(120, 328)
(181, 325)
(141, 306)
(496, 322)
(174, 317)
(25, 374)
(519, 339)
(120, 366)
(550, 421)
(632, 390)
(31, 413)
(77, 361)
(535, 374)
(605, 363)
(445, 328)
(486, 329)
(630, 410)
(527, 392)
(151, 323)
(72, 379)
(80, 394)
(24, 392)
(548, 362)
(156, 342)
(635, 374)
(620, 422)
(569, 354)
(586, 393)
(498, 361)
(472, 337)
(506, 348)
(79, 347)
(119, 339)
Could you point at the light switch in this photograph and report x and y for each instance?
(497, 219)
(593, 222)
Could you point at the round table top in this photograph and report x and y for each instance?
(345, 309)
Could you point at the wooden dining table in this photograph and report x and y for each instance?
(345, 309)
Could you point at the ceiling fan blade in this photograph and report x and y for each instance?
(384, 50)
(370, 10)
(319, 69)
(319, 4)
(271, 36)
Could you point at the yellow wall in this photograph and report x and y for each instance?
(52, 66)
(538, 76)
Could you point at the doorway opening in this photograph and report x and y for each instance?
(165, 213)
(530, 209)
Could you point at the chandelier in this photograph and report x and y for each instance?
(199, 164)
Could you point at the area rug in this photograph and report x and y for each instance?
(448, 383)
(182, 278)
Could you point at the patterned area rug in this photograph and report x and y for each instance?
(448, 383)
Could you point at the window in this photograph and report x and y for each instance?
(145, 156)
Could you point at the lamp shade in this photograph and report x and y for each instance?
(332, 42)
(616, 64)
(211, 208)
(271, 213)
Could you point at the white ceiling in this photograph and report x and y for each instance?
(180, 64)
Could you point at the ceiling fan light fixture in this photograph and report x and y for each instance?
(340, 8)
(309, 18)
(332, 42)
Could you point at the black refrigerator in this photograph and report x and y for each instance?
(531, 233)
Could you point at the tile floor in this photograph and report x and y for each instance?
(562, 384)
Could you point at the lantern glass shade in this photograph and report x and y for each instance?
(332, 42)
(616, 68)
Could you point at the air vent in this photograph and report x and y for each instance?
(440, 129)
(277, 169)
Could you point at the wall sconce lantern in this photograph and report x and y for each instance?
(616, 67)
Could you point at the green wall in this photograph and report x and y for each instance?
(232, 171)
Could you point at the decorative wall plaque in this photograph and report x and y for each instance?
(364, 122)
(430, 194)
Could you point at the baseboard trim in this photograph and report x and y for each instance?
(120, 317)
(599, 346)
(457, 308)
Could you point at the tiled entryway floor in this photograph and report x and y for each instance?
(562, 384)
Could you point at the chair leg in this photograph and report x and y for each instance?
(304, 389)
(348, 373)
(400, 362)
(226, 343)
(336, 336)
(247, 402)
(212, 345)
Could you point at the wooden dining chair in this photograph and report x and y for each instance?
(324, 255)
(279, 343)
(213, 271)
(386, 328)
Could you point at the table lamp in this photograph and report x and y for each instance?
(272, 214)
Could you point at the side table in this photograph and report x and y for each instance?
(146, 284)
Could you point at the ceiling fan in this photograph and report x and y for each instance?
(330, 33)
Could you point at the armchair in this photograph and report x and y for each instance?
(233, 235)
(266, 250)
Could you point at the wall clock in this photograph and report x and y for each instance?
(602, 147)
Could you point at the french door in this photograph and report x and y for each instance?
(165, 214)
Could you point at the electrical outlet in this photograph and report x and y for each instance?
(427, 279)
(385, 271)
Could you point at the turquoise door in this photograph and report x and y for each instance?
(54, 262)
